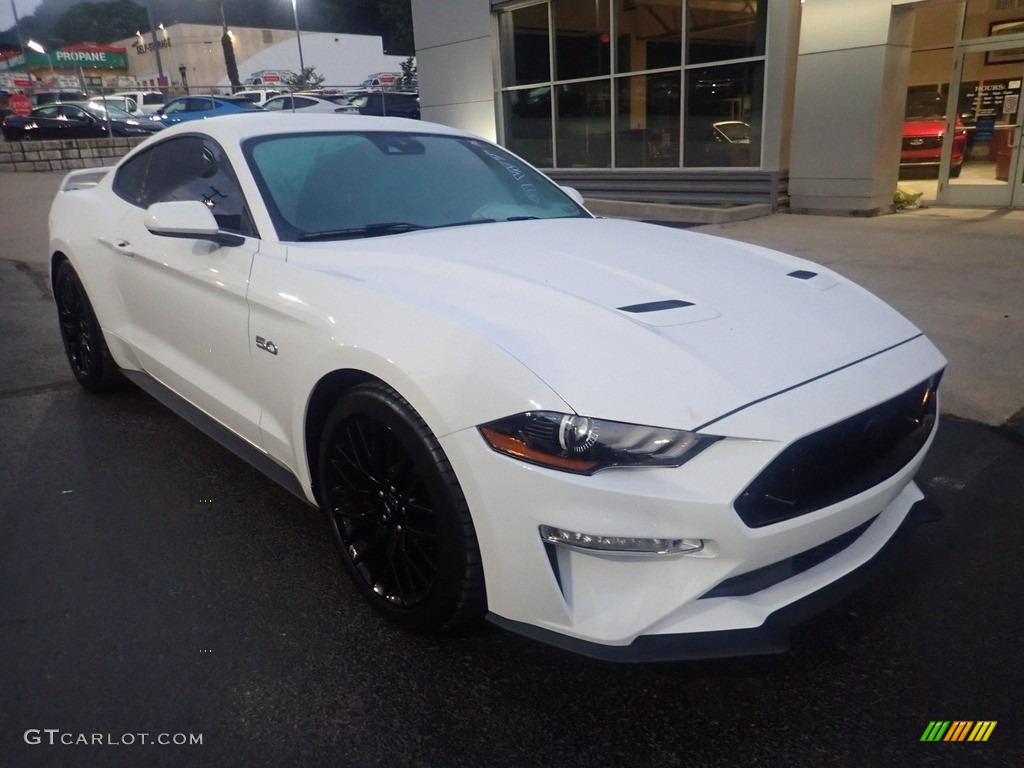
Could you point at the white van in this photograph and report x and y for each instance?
(258, 96)
(146, 102)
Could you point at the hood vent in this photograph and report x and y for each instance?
(802, 274)
(657, 306)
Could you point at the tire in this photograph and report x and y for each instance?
(954, 171)
(84, 345)
(397, 513)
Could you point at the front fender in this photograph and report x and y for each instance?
(320, 323)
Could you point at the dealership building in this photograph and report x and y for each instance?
(788, 103)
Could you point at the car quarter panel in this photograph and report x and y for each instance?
(76, 220)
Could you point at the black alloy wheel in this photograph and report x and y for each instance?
(84, 345)
(397, 513)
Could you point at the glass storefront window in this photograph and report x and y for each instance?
(719, 30)
(582, 39)
(528, 125)
(525, 51)
(722, 124)
(647, 121)
(583, 124)
(649, 35)
(618, 92)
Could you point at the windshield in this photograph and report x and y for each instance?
(97, 110)
(334, 186)
(926, 107)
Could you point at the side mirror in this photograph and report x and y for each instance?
(574, 194)
(188, 219)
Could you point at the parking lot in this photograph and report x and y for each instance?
(152, 583)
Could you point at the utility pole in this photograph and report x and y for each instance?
(227, 44)
(156, 45)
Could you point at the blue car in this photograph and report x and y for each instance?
(198, 107)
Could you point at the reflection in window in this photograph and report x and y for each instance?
(723, 116)
(528, 124)
(650, 35)
(582, 39)
(584, 125)
(623, 61)
(719, 30)
(647, 122)
(524, 45)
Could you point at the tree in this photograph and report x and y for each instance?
(307, 80)
(101, 22)
(409, 81)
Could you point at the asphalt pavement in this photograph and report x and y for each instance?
(151, 583)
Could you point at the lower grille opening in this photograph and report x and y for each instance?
(770, 575)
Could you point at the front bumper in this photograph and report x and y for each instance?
(742, 590)
(772, 636)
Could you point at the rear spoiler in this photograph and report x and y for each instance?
(83, 179)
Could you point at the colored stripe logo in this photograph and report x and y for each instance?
(959, 730)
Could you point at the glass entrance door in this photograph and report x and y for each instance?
(981, 151)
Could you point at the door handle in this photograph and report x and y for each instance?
(124, 248)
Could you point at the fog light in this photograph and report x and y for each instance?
(623, 545)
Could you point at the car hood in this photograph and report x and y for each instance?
(629, 321)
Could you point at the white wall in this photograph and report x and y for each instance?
(342, 59)
(851, 88)
(454, 59)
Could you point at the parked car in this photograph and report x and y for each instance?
(258, 96)
(146, 102)
(303, 102)
(923, 131)
(75, 120)
(385, 103)
(186, 108)
(39, 98)
(631, 441)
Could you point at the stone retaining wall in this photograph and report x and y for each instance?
(63, 154)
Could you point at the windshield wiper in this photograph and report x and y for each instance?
(370, 230)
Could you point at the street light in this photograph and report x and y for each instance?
(39, 49)
(298, 39)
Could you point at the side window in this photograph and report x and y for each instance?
(74, 113)
(301, 103)
(130, 178)
(175, 107)
(186, 168)
(197, 105)
(274, 105)
(51, 111)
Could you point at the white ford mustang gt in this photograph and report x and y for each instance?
(630, 441)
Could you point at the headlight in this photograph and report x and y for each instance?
(583, 445)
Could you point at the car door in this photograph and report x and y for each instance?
(79, 124)
(48, 122)
(185, 299)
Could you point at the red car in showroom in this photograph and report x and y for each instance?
(923, 130)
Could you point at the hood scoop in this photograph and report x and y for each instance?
(668, 312)
(814, 279)
(657, 306)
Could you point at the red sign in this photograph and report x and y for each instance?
(20, 104)
(271, 77)
(387, 79)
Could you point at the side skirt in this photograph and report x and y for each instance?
(217, 431)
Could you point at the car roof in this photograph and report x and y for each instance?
(237, 127)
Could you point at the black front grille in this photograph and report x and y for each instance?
(842, 460)
(922, 142)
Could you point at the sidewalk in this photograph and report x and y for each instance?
(957, 273)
